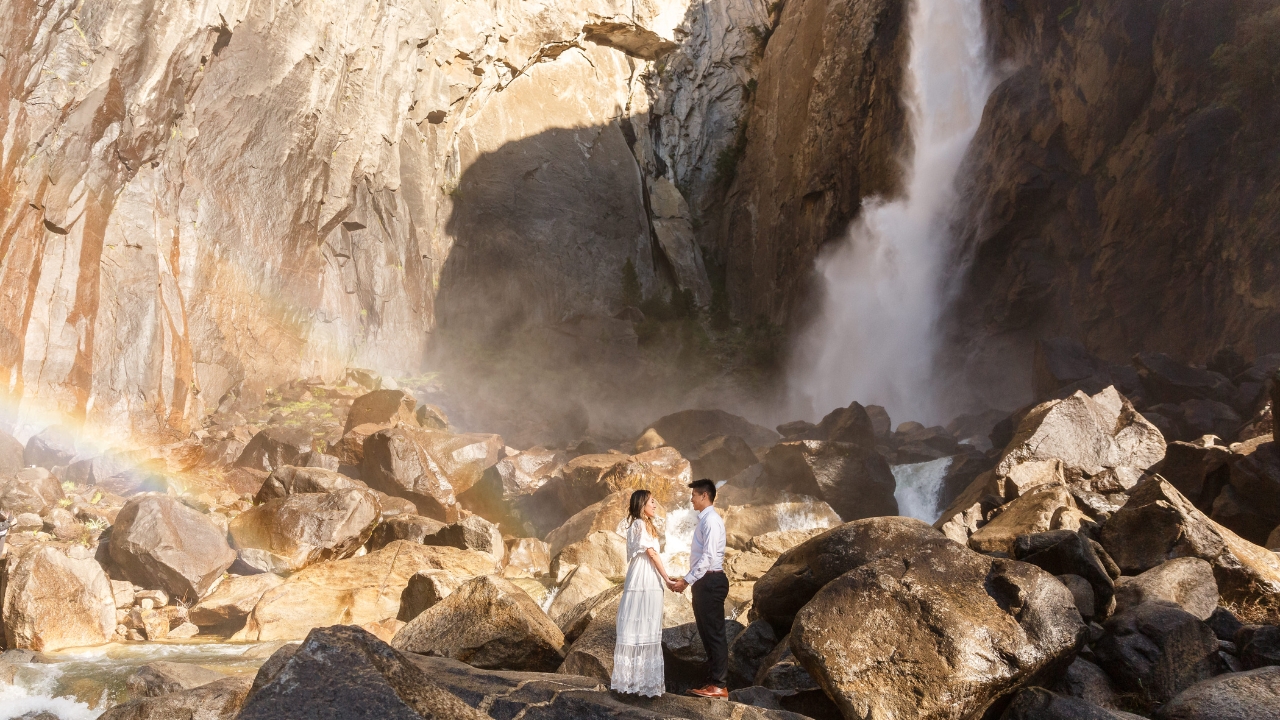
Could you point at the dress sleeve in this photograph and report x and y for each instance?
(635, 540)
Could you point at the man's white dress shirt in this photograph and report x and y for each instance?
(707, 552)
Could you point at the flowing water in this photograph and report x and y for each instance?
(919, 488)
(82, 684)
(874, 338)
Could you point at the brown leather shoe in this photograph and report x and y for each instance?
(711, 691)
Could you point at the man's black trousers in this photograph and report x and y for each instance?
(708, 610)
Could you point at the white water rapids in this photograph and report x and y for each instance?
(875, 336)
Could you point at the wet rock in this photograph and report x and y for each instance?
(1186, 582)
(720, 457)
(292, 480)
(1086, 432)
(487, 623)
(1087, 681)
(1044, 509)
(798, 574)
(1197, 469)
(339, 668)
(161, 678)
(413, 528)
(359, 590)
(427, 467)
(232, 600)
(855, 481)
(934, 609)
(745, 524)
(1159, 524)
(1168, 381)
(603, 550)
(1040, 704)
(527, 558)
(52, 447)
(582, 583)
(308, 528)
(276, 447)
(160, 543)
(1259, 645)
(591, 654)
(424, 590)
(56, 598)
(218, 700)
(32, 490)
(748, 651)
(1157, 650)
(1233, 696)
(381, 407)
(684, 430)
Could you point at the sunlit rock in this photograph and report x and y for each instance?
(307, 528)
(56, 598)
(161, 543)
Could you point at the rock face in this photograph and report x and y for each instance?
(161, 543)
(1022, 227)
(307, 528)
(359, 590)
(936, 631)
(54, 600)
(487, 623)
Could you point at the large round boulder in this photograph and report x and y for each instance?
(934, 631)
(55, 598)
(310, 527)
(487, 623)
(1157, 650)
(162, 544)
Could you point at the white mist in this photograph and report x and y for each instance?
(874, 339)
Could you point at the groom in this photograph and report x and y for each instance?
(710, 587)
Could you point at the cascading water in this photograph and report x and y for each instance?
(919, 488)
(874, 339)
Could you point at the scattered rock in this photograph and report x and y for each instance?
(773, 544)
(232, 600)
(1255, 478)
(218, 700)
(55, 598)
(591, 654)
(487, 623)
(1157, 650)
(382, 407)
(308, 528)
(504, 488)
(1197, 469)
(603, 550)
(1040, 704)
(428, 467)
(685, 429)
(1063, 552)
(855, 481)
(1087, 681)
(471, 533)
(1043, 509)
(32, 490)
(292, 480)
(720, 457)
(1259, 645)
(748, 651)
(1233, 696)
(161, 678)
(1187, 582)
(413, 528)
(1168, 381)
(424, 590)
(276, 447)
(933, 630)
(1224, 623)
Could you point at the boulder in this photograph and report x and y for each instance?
(232, 600)
(1241, 517)
(854, 480)
(1197, 469)
(799, 515)
(582, 583)
(1082, 593)
(381, 407)
(500, 491)
(350, 447)
(527, 558)
(663, 472)
(32, 490)
(990, 490)
(359, 590)
(413, 528)
(1063, 552)
(1157, 650)
(747, 566)
(293, 480)
(1187, 582)
(432, 417)
(218, 700)
(934, 631)
(487, 623)
(1044, 509)
(1087, 681)
(748, 651)
(424, 590)
(773, 544)
(161, 678)
(605, 551)
(308, 528)
(56, 598)
(720, 457)
(160, 543)
(609, 515)
(792, 685)
(591, 653)
(338, 669)
(798, 574)
(1224, 623)
(1158, 524)
(1089, 433)
(275, 447)
(1039, 704)
(685, 429)
(685, 657)
(1209, 417)
(11, 455)
(1168, 381)
(428, 467)
(1233, 696)
(470, 533)
(52, 447)
(1255, 478)
(1258, 645)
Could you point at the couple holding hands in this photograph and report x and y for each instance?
(637, 657)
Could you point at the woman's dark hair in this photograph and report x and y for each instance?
(704, 486)
(635, 510)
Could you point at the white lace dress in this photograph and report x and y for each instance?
(637, 657)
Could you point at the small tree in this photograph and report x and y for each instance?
(631, 296)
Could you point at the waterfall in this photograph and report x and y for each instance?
(919, 487)
(874, 338)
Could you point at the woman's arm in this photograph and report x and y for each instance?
(657, 563)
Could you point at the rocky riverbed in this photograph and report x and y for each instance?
(324, 545)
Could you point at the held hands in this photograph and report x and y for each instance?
(677, 585)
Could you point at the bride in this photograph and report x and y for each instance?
(637, 657)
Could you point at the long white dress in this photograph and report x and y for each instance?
(637, 656)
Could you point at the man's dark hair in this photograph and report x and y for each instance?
(704, 486)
